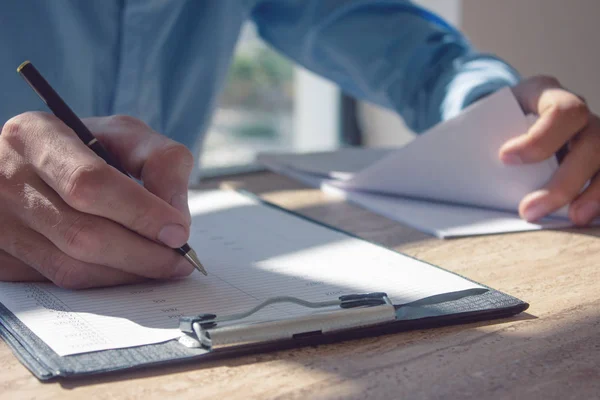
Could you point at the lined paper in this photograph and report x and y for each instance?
(252, 252)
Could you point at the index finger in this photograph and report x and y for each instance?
(562, 115)
(162, 164)
(85, 182)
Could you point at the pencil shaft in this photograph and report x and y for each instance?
(59, 108)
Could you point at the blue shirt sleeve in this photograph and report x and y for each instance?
(389, 52)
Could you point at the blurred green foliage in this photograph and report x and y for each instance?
(260, 130)
(259, 79)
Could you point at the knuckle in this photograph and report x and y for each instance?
(70, 277)
(81, 185)
(17, 127)
(53, 262)
(127, 122)
(12, 128)
(81, 239)
(63, 271)
(577, 110)
(173, 152)
(570, 108)
(538, 149)
(554, 110)
(179, 152)
(142, 220)
(170, 153)
(562, 196)
(14, 131)
(547, 81)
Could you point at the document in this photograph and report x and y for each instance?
(252, 252)
(342, 164)
(448, 182)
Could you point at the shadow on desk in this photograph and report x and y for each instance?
(593, 232)
(308, 351)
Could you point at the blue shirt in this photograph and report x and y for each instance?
(165, 61)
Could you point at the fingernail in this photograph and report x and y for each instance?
(183, 268)
(587, 211)
(173, 235)
(180, 202)
(512, 159)
(536, 212)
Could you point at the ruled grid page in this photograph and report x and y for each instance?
(252, 252)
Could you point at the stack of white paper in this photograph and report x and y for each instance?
(448, 182)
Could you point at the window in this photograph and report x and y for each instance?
(380, 127)
(268, 104)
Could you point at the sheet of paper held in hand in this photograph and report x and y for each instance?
(448, 182)
(252, 252)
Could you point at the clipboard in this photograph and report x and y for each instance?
(208, 336)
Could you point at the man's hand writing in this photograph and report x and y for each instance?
(69, 217)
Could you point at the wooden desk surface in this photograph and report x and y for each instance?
(552, 351)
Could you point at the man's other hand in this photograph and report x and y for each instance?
(564, 119)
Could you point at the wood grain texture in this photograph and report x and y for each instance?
(552, 351)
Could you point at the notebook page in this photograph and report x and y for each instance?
(457, 161)
(443, 220)
(252, 252)
(449, 220)
(338, 164)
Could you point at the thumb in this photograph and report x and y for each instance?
(163, 165)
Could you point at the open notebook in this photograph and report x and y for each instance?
(448, 182)
(253, 251)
